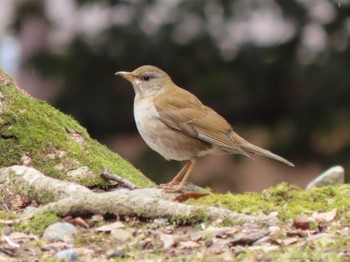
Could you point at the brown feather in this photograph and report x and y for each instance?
(182, 111)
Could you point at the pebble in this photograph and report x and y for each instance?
(29, 209)
(66, 255)
(116, 253)
(59, 232)
(332, 176)
(121, 235)
(301, 221)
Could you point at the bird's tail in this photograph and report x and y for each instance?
(250, 148)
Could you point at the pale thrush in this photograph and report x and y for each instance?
(174, 123)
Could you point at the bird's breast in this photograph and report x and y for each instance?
(168, 142)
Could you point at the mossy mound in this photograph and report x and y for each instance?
(287, 200)
(36, 134)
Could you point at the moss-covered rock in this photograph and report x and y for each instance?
(287, 200)
(36, 134)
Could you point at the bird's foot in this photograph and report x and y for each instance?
(172, 187)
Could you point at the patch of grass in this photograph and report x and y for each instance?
(37, 224)
(287, 200)
(7, 215)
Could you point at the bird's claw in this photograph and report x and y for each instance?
(172, 187)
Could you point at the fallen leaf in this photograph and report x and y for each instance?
(19, 235)
(56, 246)
(289, 241)
(185, 197)
(299, 233)
(319, 236)
(80, 222)
(10, 242)
(20, 201)
(83, 250)
(16, 220)
(110, 227)
(222, 232)
(121, 235)
(189, 244)
(168, 240)
(249, 238)
(325, 216)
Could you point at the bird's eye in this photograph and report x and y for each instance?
(146, 77)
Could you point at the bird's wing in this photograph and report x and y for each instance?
(182, 111)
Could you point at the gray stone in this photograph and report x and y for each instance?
(121, 235)
(29, 209)
(59, 232)
(66, 255)
(332, 176)
(116, 253)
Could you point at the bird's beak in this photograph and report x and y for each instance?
(127, 75)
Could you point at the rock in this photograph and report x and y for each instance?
(208, 242)
(116, 253)
(121, 235)
(301, 221)
(332, 176)
(29, 209)
(66, 255)
(59, 232)
(7, 230)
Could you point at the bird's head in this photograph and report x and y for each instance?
(147, 80)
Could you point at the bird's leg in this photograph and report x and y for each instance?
(173, 187)
(177, 179)
(187, 175)
(179, 175)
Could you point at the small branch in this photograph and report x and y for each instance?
(17, 220)
(7, 252)
(122, 181)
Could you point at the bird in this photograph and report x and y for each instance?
(177, 125)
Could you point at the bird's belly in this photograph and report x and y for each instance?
(168, 142)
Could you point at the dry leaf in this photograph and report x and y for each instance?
(289, 241)
(168, 240)
(189, 244)
(83, 250)
(110, 227)
(16, 220)
(19, 235)
(80, 222)
(56, 246)
(319, 236)
(20, 201)
(325, 216)
(187, 196)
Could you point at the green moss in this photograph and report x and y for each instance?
(197, 216)
(89, 238)
(285, 199)
(38, 224)
(35, 129)
(7, 215)
(312, 251)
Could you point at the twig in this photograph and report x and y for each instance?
(10, 242)
(107, 175)
(6, 252)
(17, 220)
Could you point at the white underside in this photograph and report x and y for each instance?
(157, 135)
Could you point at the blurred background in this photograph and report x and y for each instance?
(278, 71)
